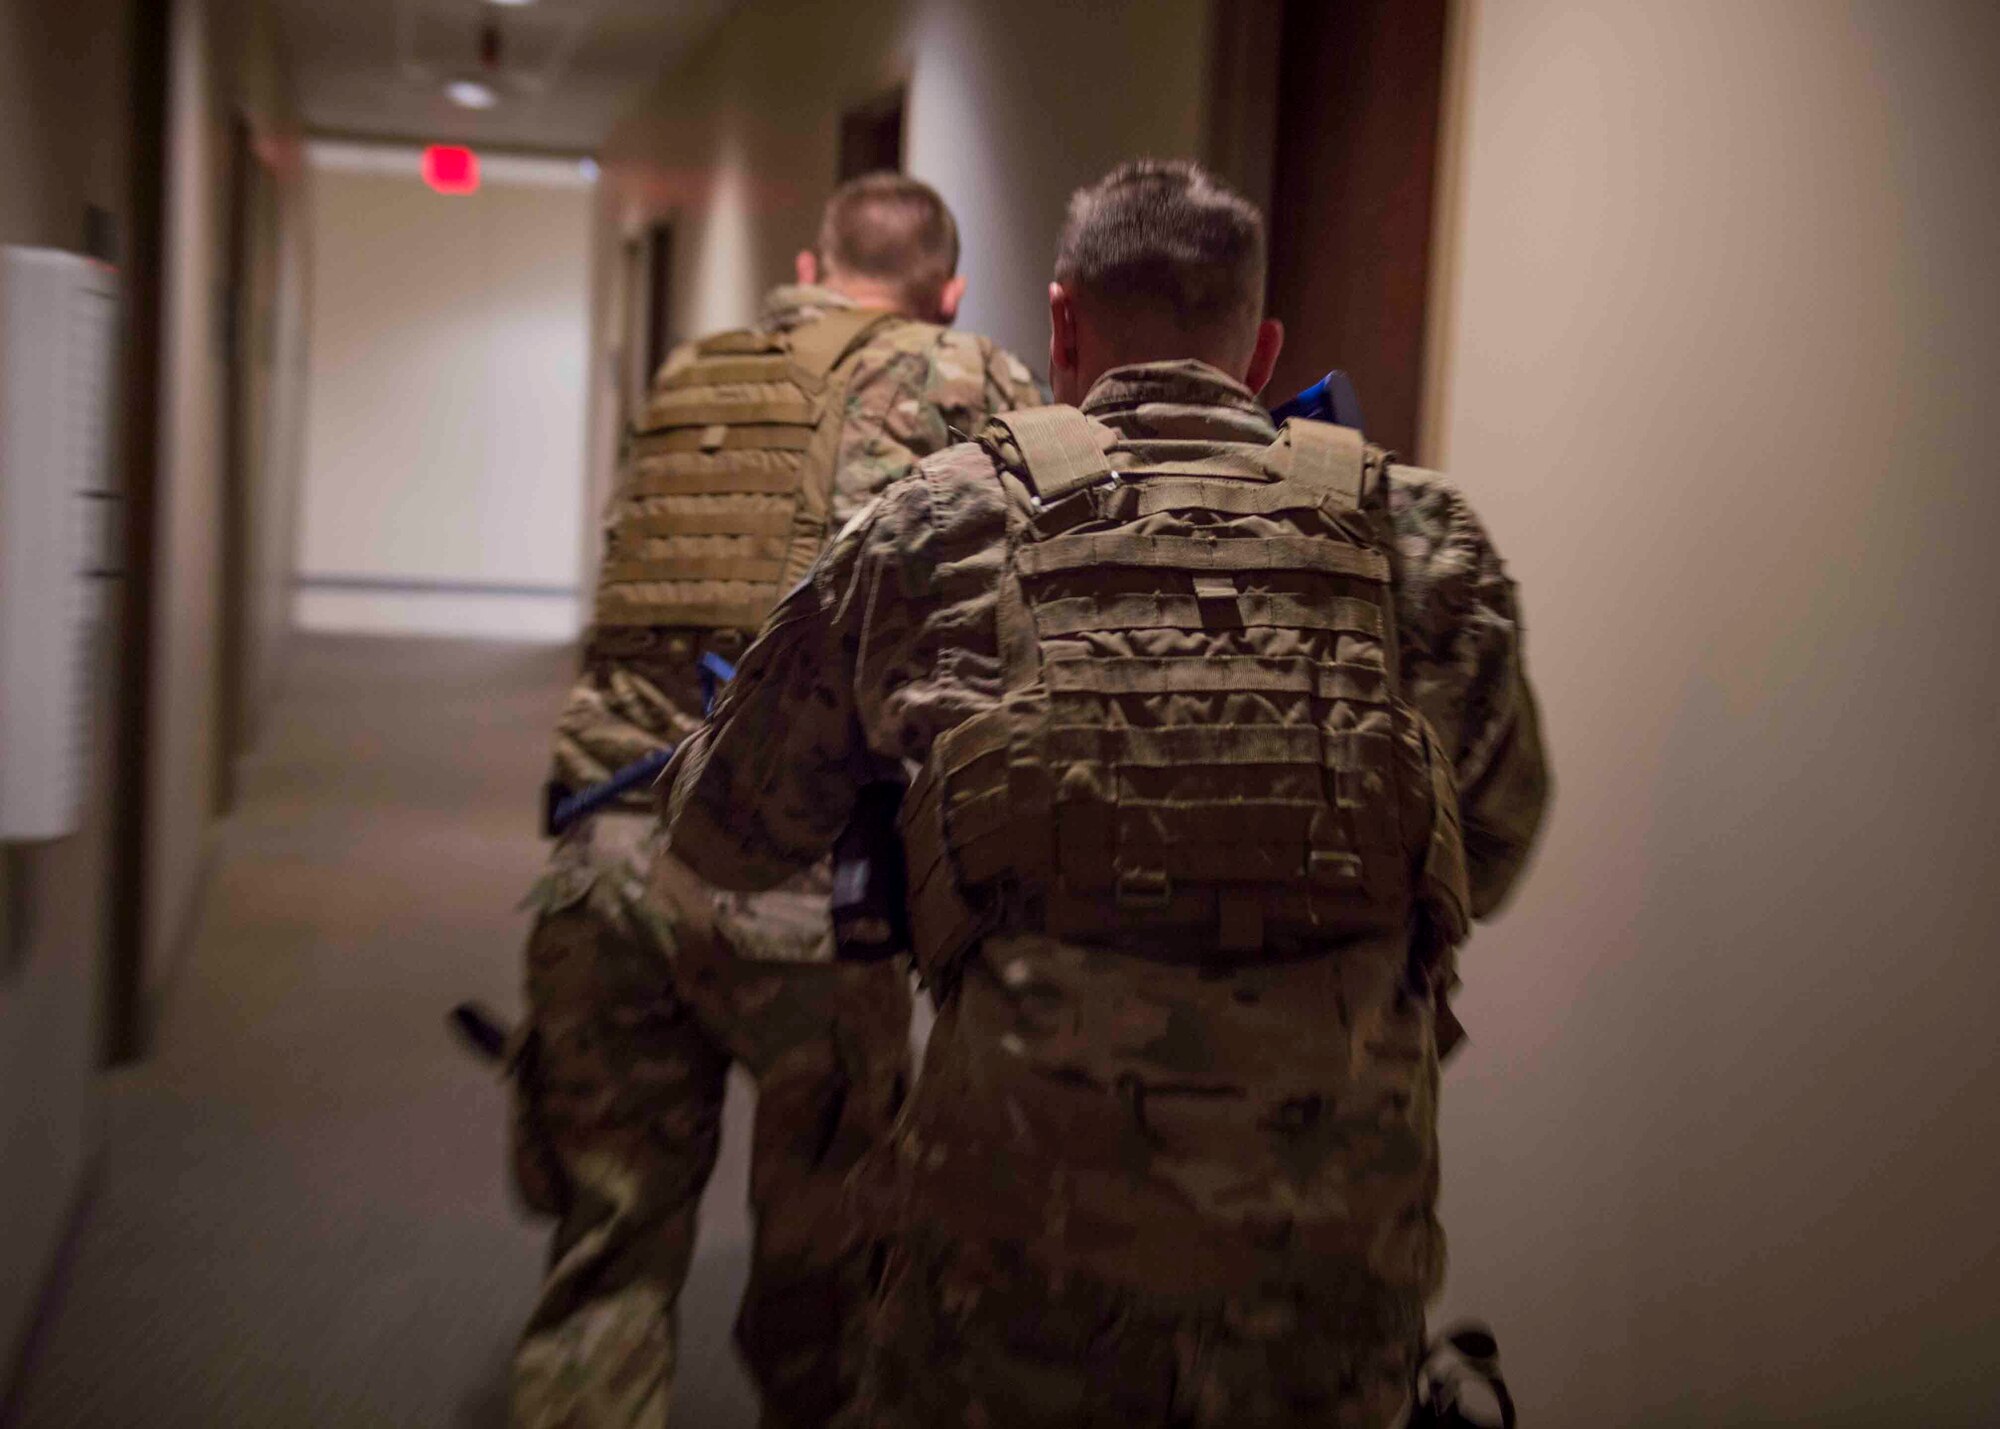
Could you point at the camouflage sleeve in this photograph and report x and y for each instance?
(891, 424)
(614, 717)
(765, 787)
(904, 405)
(1460, 626)
(1009, 384)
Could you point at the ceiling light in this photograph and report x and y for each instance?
(471, 94)
(511, 4)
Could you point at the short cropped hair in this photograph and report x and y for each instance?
(1166, 234)
(892, 228)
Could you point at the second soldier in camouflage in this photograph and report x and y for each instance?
(754, 447)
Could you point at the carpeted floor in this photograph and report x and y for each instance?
(298, 1216)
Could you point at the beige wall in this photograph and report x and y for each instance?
(61, 148)
(444, 451)
(223, 61)
(275, 325)
(181, 749)
(1725, 1148)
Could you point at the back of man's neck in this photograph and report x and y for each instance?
(866, 293)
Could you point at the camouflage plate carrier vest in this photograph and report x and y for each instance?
(724, 507)
(1202, 750)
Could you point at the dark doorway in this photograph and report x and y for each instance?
(871, 137)
(658, 283)
(1360, 83)
(238, 456)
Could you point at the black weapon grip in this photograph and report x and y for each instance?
(871, 920)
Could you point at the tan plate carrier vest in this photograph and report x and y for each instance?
(1202, 748)
(725, 503)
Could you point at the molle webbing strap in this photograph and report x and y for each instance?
(1323, 457)
(1229, 496)
(621, 609)
(1180, 456)
(749, 437)
(701, 521)
(1152, 610)
(753, 474)
(740, 405)
(1219, 675)
(817, 347)
(740, 341)
(1059, 448)
(755, 566)
(1196, 553)
(772, 366)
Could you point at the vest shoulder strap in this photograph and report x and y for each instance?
(1060, 449)
(1322, 457)
(818, 346)
(737, 342)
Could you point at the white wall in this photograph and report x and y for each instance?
(1725, 1148)
(445, 408)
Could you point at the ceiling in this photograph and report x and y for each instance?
(566, 69)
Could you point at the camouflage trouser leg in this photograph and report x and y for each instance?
(619, 1108)
(619, 1099)
(964, 1337)
(828, 1048)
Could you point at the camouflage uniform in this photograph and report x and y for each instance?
(1127, 1191)
(620, 1076)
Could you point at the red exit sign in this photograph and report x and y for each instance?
(450, 169)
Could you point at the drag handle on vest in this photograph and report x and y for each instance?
(1331, 399)
(870, 918)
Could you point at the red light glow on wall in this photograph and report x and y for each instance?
(451, 170)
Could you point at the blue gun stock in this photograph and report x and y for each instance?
(1331, 399)
(562, 810)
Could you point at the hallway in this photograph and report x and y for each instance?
(297, 1214)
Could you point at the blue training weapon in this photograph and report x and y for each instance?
(481, 1030)
(564, 809)
(1331, 399)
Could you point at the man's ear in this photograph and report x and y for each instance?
(1264, 357)
(949, 297)
(806, 265)
(1063, 361)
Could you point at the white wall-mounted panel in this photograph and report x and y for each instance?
(58, 323)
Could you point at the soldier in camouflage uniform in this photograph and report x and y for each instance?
(1196, 823)
(729, 488)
